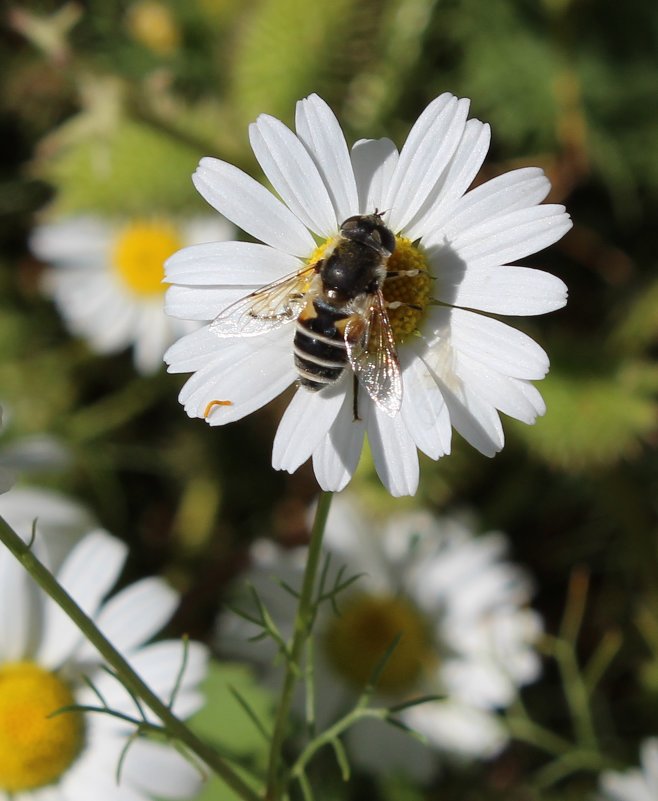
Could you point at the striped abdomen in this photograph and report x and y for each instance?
(320, 350)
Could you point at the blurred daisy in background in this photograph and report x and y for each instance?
(459, 607)
(637, 784)
(107, 279)
(34, 453)
(459, 368)
(45, 663)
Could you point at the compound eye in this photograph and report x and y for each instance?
(351, 223)
(387, 238)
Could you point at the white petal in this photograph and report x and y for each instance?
(476, 420)
(88, 779)
(293, 174)
(499, 390)
(160, 770)
(60, 522)
(424, 412)
(374, 162)
(207, 228)
(320, 131)
(81, 241)
(151, 338)
(337, 456)
(458, 176)
(457, 728)
(649, 759)
(385, 750)
(202, 303)
(518, 189)
(20, 620)
(159, 665)
(228, 263)
(630, 786)
(490, 342)
(306, 421)
(506, 289)
(394, 452)
(429, 147)
(250, 206)
(504, 239)
(134, 615)
(248, 383)
(193, 351)
(88, 574)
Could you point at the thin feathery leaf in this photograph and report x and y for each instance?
(124, 754)
(379, 667)
(251, 714)
(181, 672)
(305, 786)
(341, 759)
(423, 699)
(95, 691)
(33, 533)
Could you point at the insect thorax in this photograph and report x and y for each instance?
(353, 268)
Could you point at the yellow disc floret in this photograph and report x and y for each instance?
(140, 252)
(152, 24)
(35, 749)
(358, 639)
(413, 292)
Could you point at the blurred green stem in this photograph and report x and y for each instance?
(174, 727)
(303, 620)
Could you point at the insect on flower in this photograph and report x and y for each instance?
(340, 310)
(371, 268)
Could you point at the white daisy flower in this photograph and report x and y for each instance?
(107, 279)
(637, 784)
(456, 367)
(44, 660)
(460, 607)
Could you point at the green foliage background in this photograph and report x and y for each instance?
(100, 121)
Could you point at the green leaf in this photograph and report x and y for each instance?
(289, 48)
(134, 169)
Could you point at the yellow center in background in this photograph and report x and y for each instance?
(357, 640)
(35, 749)
(140, 252)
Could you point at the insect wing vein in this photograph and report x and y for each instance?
(267, 308)
(373, 356)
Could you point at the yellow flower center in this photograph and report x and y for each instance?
(368, 625)
(152, 24)
(412, 292)
(140, 252)
(35, 749)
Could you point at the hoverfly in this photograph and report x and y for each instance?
(340, 313)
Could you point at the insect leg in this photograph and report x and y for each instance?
(355, 398)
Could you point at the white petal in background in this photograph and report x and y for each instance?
(88, 574)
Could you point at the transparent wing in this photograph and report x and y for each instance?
(373, 356)
(267, 308)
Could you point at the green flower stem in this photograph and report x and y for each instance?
(125, 673)
(303, 620)
(331, 734)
